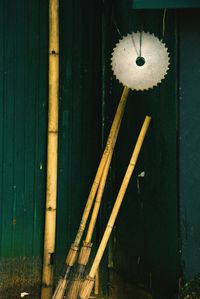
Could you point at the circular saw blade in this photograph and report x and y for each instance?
(140, 61)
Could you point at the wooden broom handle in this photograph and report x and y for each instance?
(109, 145)
(98, 199)
(120, 197)
(101, 190)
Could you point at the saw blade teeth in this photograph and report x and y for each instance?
(137, 77)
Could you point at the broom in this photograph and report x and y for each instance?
(88, 284)
(73, 252)
(87, 245)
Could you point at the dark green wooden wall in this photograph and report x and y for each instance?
(145, 248)
(23, 124)
(155, 242)
(23, 115)
(79, 117)
(189, 160)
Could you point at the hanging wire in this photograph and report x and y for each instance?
(117, 28)
(140, 52)
(163, 22)
(134, 45)
(115, 23)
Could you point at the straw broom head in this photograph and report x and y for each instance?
(74, 289)
(86, 288)
(82, 262)
(60, 289)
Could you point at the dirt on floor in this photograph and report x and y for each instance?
(18, 276)
(119, 288)
(191, 289)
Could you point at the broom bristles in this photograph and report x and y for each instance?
(86, 288)
(60, 289)
(74, 289)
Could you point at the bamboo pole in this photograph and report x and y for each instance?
(88, 284)
(98, 200)
(52, 151)
(96, 283)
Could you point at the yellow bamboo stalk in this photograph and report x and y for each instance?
(88, 284)
(52, 151)
(98, 199)
(96, 284)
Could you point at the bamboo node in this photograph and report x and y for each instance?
(53, 52)
(53, 132)
(46, 286)
(87, 244)
(72, 255)
(50, 209)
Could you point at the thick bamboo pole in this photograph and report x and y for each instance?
(52, 151)
(88, 284)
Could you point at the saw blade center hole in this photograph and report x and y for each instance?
(140, 61)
